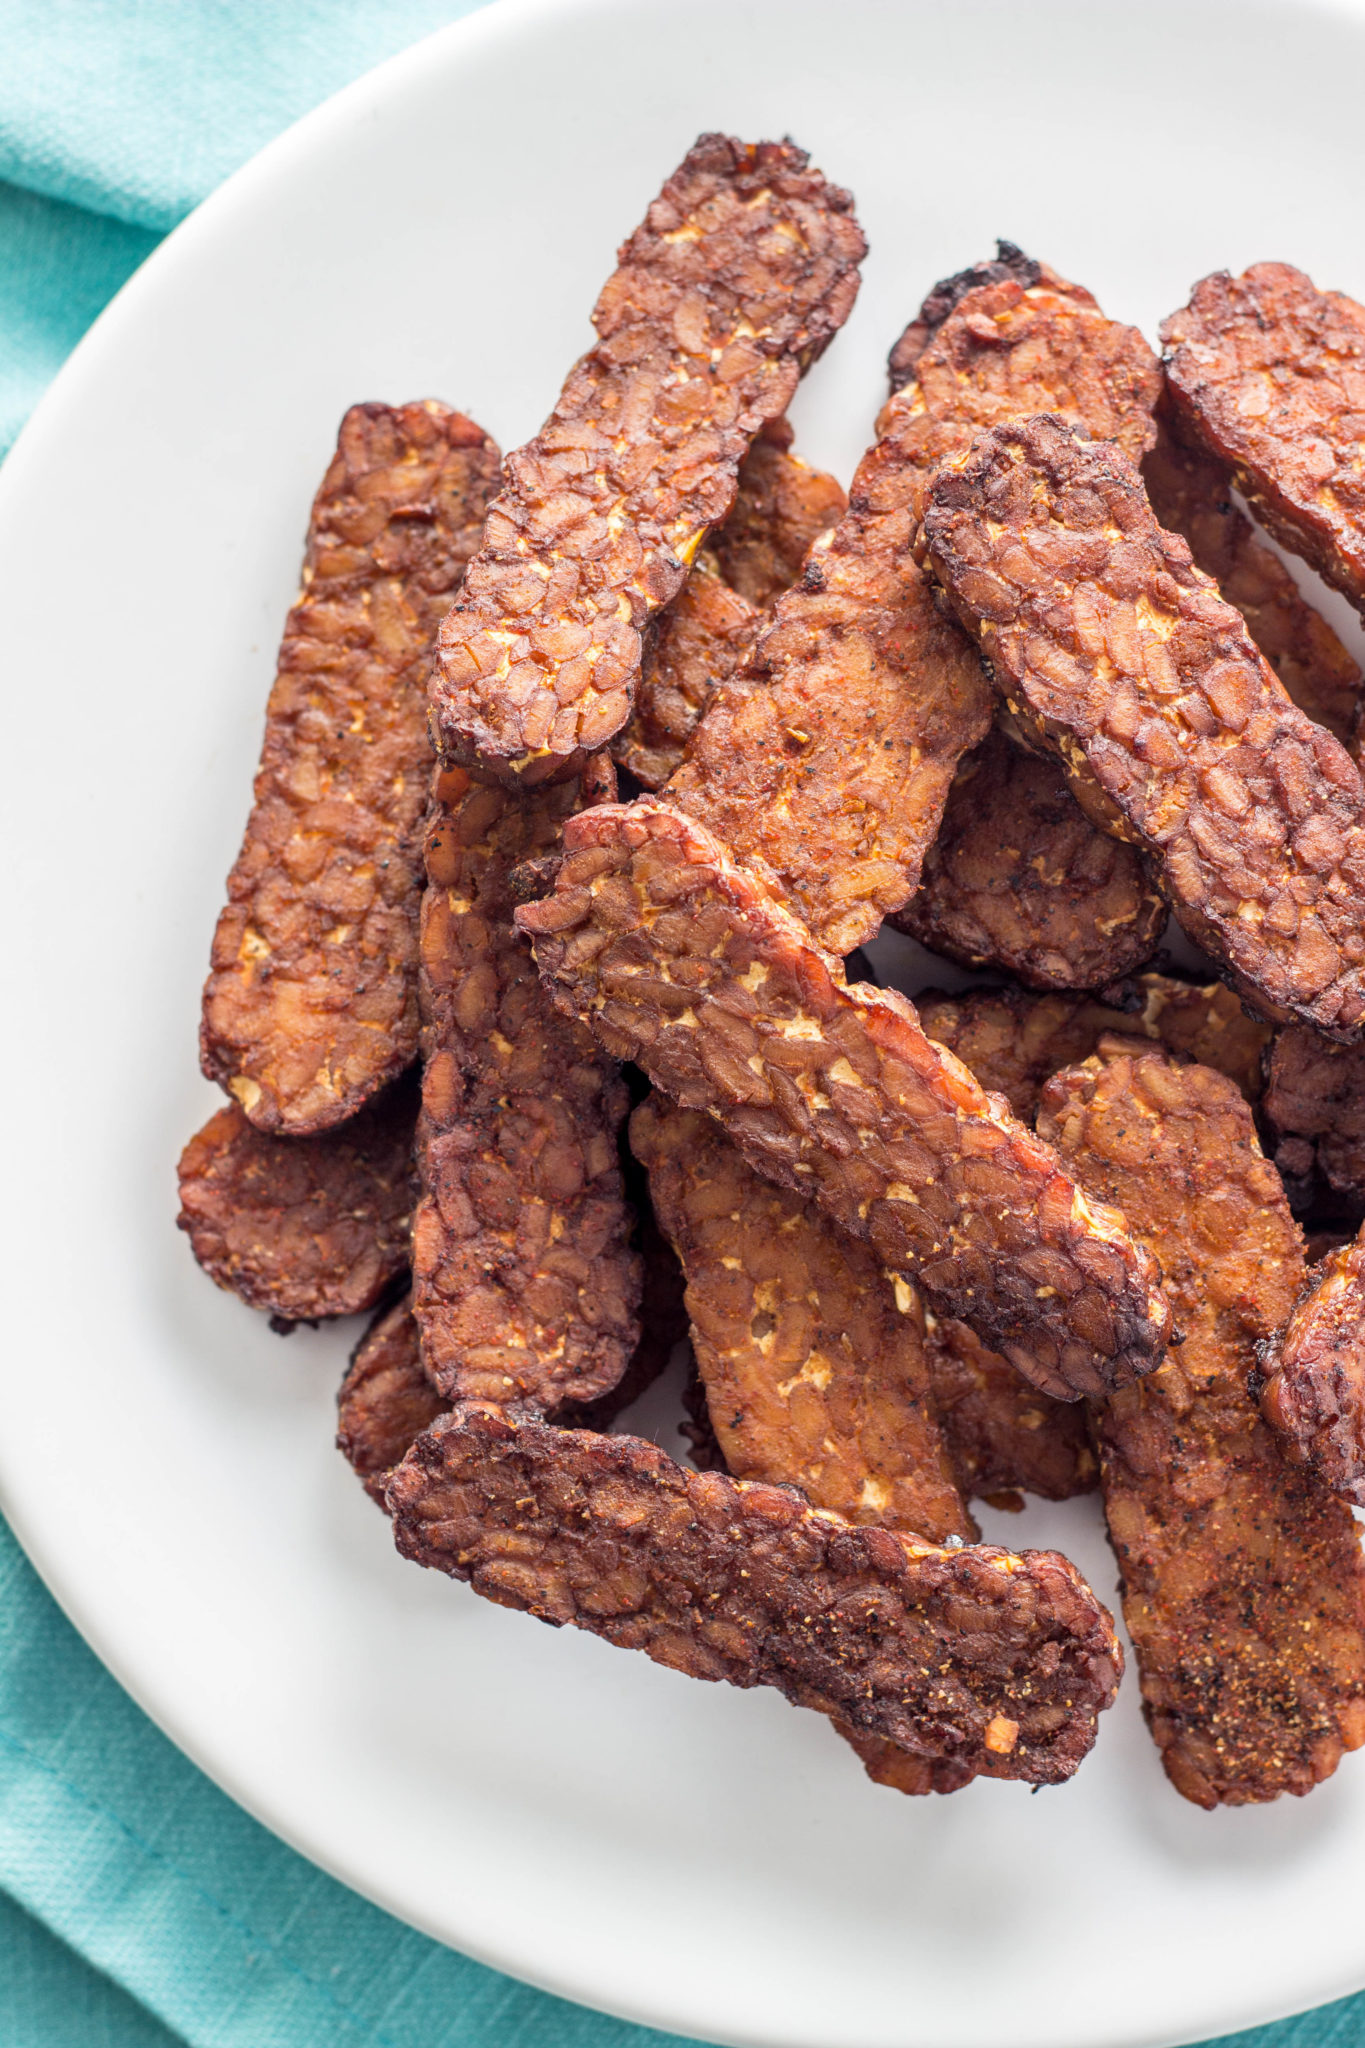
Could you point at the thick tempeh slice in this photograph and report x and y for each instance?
(1003, 1436)
(1313, 1374)
(685, 963)
(743, 270)
(311, 1003)
(1106, 640)
(386, 1400)
(525, 1285)
(972, 1655)
(1191, 495)
(304, 1227)
(1315, 1103)
(1267, 374)
(1244, 1587)
(815, 1373)
(1019, 879)
(1012, 1041)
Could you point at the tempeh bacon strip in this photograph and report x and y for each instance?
(743, 270)
(1313, 1374)
(525, 1283)
(973, 1655)
(685, 963)
(1267, 375)
(1103, 637)
(1243, 1581)
(303, 1227)
(311, 1003)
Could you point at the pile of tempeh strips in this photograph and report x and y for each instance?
(701, 724)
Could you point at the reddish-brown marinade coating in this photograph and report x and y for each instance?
(685, 963)
(1109, 644)
(1243, 1582)
(972, 1655)
(815, 1373)
(1313, 1374)
(1012, 1041)
(743, 270)
(303, 1227)
(1003, 1437)
(1314, 1102)
(311, 1003)
(781, 506)
(1191, 495)
(386, 1400)
(695, 645)
(525, 1283)
(1020, 880)
(1267, 374)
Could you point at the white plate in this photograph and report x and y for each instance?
(702, 1859)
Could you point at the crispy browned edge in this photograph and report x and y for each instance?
(815, 1370)
(685, 963)
(1019, 879)
(525, 1284)
(304, 1227)
(1191, 495)
(1265, 374)
(969, 1655)
(740, 275)
(311, 1002)
(1107, 642)
(1312, 1373)
(1243, 1582)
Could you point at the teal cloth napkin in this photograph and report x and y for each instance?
(139, 1906)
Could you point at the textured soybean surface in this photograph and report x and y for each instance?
(1191, 495)
(311, 1003)
(1008, 263)
(386, 1400)
(1315, 1104)
(1110, 645)
(685, 963)
(304, 1227)
(1012, 1041)
(1020, 880)
(525, 1283)
(1243, 1584)
(1003, 1437)
(971, 1656)
(1267, 374)
(743, 270)
(1314, 1374)
(815, 1371)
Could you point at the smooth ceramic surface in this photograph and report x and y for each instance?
(705, 1860)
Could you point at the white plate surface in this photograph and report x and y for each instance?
(705, 1860)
